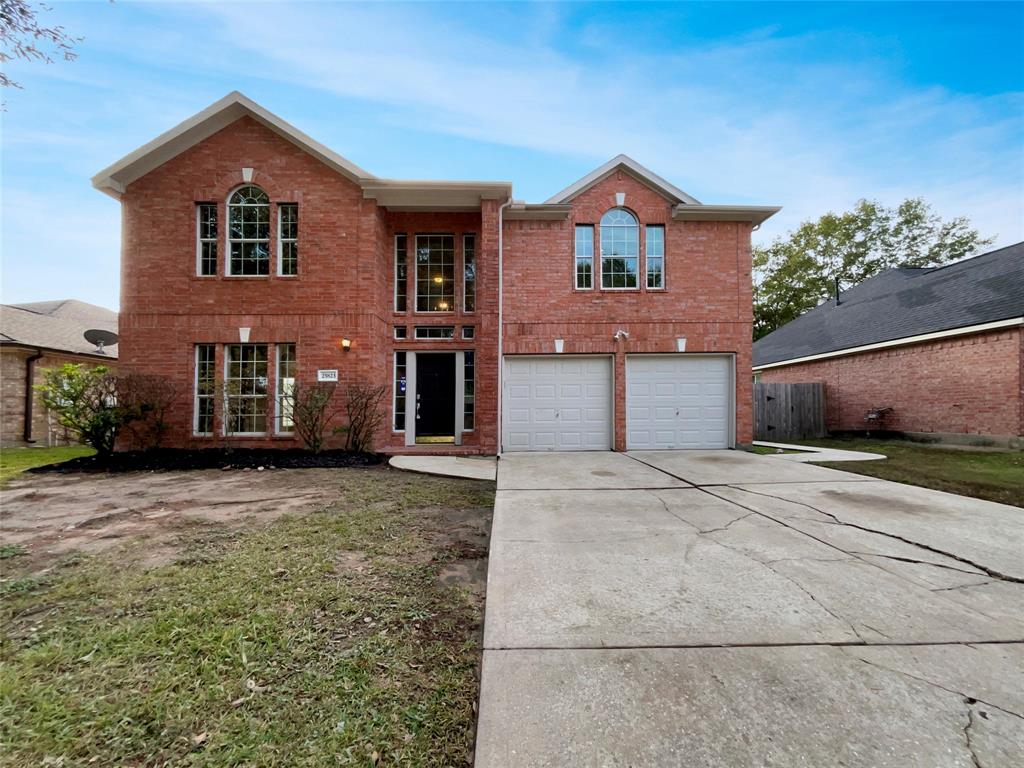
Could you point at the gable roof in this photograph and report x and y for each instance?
(634, 169)
(901, 303)
(398, 194)
(56, 325)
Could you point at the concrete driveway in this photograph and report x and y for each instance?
(726, 609)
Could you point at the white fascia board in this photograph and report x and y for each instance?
(906, 340)
(435, 195)
(756, 214)
(644, 175)
(114, 178)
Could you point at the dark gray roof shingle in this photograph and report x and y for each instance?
(905, 302)
(56, 325)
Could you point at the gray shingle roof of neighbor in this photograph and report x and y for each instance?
(904, 302)
(56, 325)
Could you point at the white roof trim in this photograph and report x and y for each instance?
(114, 179)
(756, 214)
(635, 169)
(962, 331)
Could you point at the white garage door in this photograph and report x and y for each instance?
(557, 403)
(678, 401)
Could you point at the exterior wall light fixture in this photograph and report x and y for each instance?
(346, 345)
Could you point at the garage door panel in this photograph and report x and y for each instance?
(567, 403)
(678, 401)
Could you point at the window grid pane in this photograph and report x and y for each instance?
(401, 273)
(246, 389)
(655, 256)
(469, 273)
(400, 383)
(206, 357)
(286, 371)
(434, 332)
(469, 408)
(249, 232)
(584, 256)
(207, 234)
(435, 273)
(288, 236)
(620, 249)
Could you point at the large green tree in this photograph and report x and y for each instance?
(797, 272)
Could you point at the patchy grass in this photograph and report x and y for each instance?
(14, 461)
(764, 450)
(324, 638)
(992, 475)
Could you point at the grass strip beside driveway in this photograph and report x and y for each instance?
(14, 461)
(992, 475)
(320, 639)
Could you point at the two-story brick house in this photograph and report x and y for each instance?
(616, 315)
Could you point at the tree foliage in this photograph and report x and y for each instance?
(798, 272)
(22, 37)
(85, 402)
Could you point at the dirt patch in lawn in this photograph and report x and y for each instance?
(288, 617)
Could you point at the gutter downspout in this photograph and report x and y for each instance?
(30, 378)
(501, 315)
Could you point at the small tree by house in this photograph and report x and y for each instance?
(84, 400)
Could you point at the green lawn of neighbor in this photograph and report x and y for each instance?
(14, 461)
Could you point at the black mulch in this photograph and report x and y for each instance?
(213, 458)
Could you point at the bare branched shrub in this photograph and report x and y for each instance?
(147, 400)
(313, 411)
(364, 406)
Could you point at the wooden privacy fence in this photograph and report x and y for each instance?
(788, 411)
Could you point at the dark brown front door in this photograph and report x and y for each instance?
(435, 394)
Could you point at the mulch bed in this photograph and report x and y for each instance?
(170, 459)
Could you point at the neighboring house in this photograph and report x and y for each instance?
(943, 347)
(255, 257)
(34, 337)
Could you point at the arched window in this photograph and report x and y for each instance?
(249, 232)
(620, 249)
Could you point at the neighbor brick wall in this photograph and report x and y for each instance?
(967, 384)
(707, 297)
(45, 429)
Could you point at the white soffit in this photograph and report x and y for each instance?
(636, 170)
(114, 179)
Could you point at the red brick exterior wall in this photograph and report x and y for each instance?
(345, 286)
(966, 384)
(706, 299)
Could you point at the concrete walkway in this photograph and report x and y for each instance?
(812, 453)
(722, 608)
(472, 468)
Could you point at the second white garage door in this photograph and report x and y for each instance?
(678, 401)
(557, 403)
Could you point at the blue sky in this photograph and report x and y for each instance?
(809, 106)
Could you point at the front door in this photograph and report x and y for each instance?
(435, 397)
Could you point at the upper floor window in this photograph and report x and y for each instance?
(249, 232)
(206, 237)
(468, 273)
(654, 256)
(401, 272)
(435, 273)
(620, 249)
(584, 256)
(288, 239)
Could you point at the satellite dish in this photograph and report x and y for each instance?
(100, 338)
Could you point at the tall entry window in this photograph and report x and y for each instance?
(249, 232)
(468, 273)
(435, 273)
(620, 249)
(246, 389)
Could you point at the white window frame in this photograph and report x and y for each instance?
(394, 388)
(278, 349)
(200, 240)
(229, 240)
(416, 281)
(647, 256)
(468, 332)
(227, 397)
(397, 281)
(195, 392)
(601, 256)
(576, 258)
(281, 239)
(405, 332)
(473, 353)
(465, 282)
(416, 333)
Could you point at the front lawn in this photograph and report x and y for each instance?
(14, 461)
(339, 636)
(993, 475)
